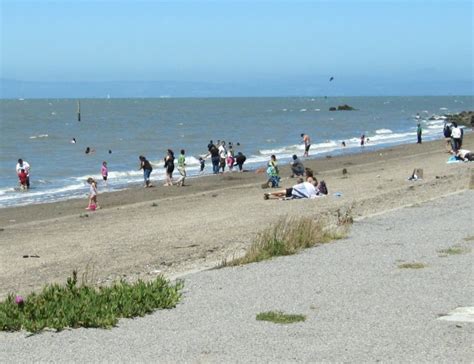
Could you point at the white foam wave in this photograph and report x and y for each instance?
(383, 131)
(39, 136)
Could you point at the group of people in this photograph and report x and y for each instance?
(221, 156)
(307, 186)
(453, 135)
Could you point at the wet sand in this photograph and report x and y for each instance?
(140, 232)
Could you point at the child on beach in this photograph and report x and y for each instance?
(104, 171)
(230, 158)
(273, 173)
(202, 164)
(92, 194)
(181, 168)
(23, 177)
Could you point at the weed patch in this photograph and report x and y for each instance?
(290, 235)
(453, 250)
(71, 306)
(414, 265)
(279, 317)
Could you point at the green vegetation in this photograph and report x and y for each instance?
(58, 307)
(411, 265)
(279, 317)
(290, 235)
(453, 250)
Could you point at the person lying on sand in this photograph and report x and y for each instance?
(300, 190)
(464, 155)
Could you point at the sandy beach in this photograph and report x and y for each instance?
(144, 232)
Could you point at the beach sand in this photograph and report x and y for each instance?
(140, 233)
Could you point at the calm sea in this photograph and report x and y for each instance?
(40, 131)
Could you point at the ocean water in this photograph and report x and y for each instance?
(40, 130)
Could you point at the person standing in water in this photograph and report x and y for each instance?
(169, 165)
(307, 144)
(104, 171)
(181, 168)
(146, 166)
(24, 165)
(419, 131)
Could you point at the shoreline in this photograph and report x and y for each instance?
(323, 163)
(140, 233)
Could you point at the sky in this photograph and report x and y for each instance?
(374, 44)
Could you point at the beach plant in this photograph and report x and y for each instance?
(279, 317)
(289, 235)
(414, 265)
(79, 305)
(453, 250)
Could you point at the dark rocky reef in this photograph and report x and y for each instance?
(344, 107)
(463, 118)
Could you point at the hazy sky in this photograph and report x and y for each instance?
(228, 41)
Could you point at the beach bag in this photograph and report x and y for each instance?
(323, 188)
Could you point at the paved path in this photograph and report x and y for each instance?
(360, 306)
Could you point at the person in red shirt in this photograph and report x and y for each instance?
(23, 177)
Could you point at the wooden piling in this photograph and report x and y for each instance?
(78, 111)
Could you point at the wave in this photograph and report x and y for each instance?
(383, 131)
(39, 136)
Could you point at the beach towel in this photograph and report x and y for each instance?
(453, 159)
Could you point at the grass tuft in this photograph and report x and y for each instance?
(453, 250)
(469, 238)
(71, 306)
(290, 235)
(279, 317)
(414, 265)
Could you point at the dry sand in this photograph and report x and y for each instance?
(144, 232)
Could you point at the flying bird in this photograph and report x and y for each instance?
(332, 78)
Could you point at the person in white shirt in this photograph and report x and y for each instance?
(300, 190)
(24, 165)
(456, 135)
(464, 155)
(222, 155)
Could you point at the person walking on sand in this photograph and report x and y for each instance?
(104, 171)
(419, 131)
(456, 135)
(147, 169)
(307, 144)
(93, 205)
(24, 165)
(169, 165)
(181, 168)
